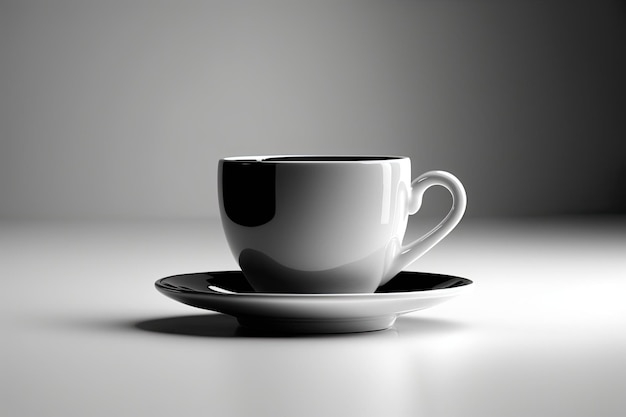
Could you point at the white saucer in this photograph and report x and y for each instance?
(228, 292)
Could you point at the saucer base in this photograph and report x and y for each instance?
(312, 326)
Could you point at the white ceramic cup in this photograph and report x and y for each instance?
(326, 224)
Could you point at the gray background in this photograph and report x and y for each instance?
(121, 109)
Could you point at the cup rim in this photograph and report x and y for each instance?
(314, 159)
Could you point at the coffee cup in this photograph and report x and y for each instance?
(326, 224)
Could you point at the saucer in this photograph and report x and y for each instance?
(228, 292)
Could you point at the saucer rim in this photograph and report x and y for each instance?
(428, 293)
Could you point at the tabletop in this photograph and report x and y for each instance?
(86, 333)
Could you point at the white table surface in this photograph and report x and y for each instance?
(86, 334)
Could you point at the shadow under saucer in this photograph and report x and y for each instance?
(221, 325)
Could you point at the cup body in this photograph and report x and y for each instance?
(315, 224)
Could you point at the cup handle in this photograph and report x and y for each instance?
(409, 253)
